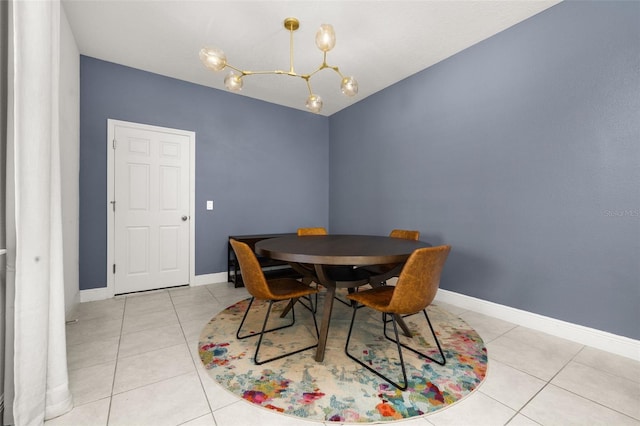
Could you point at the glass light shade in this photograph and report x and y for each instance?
(325, 38)
(213, 58)
(314, 103)
(349, 86)
(233, 82)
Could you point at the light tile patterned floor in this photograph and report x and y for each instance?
(133, 361)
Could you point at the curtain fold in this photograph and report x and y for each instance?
(40, 378)
(4, 57)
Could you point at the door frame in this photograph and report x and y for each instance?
(111, 126)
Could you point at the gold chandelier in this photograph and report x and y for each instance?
(215, 59)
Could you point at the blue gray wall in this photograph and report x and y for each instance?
(265, 166)
(523, 153)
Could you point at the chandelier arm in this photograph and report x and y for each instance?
(337, 70)
(279, 72)
(235, 69)
(291, 71)
(215, 59)
(320, 68)
(249, 72)
(324, 66)
(308, 85)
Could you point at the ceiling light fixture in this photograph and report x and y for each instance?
(215, 60)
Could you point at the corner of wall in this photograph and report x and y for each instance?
(70, 162)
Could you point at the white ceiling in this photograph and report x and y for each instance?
(378, 42)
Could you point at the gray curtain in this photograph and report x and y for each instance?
(6, 301)
(35, 263)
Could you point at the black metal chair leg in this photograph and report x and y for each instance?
(342, 301)
(351, 302)
(398, 345)
(444, 359)
(239, 337)
(263, 332)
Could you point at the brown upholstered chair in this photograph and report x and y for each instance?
(406, 234)
(271, 290)
(312, 231)
(381, 273)
(414, 291)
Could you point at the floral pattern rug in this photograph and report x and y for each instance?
(338, 389)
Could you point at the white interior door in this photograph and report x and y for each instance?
(151, 208)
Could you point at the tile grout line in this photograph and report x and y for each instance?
(184, 336)
(548, 382)
(582, 396)
(200, 378)
(516, 412)
(167, 292)
(228, 295)
(115, 367)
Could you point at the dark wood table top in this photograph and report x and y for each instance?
(339, 249)
(326, 252)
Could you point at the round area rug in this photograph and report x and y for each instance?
(338, 389)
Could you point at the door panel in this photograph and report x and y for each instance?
(137, 245)
(170, 240)
(151, 226)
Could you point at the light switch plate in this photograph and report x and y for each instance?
(210, 205)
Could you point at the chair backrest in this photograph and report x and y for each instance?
(406, 234)
(252, 275)
(419, 280)
(312, 231)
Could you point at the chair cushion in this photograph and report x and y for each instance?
(376, 298)
(288, 288)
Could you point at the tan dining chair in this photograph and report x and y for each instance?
(381, 273)
(405, 233)
(415, 290)
(271, 290)
(311, 231)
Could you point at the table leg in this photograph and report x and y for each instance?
(287, 308)
(326, 312)
(324, 324)
(403, 326)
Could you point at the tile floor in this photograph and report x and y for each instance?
(133, 361)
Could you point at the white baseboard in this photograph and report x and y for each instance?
(218, 277)
(94, 294)
(101, 293)
(603, 340)
(72, 308)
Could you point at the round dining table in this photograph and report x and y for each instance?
(332, 261)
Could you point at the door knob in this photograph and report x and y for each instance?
(184, 218)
